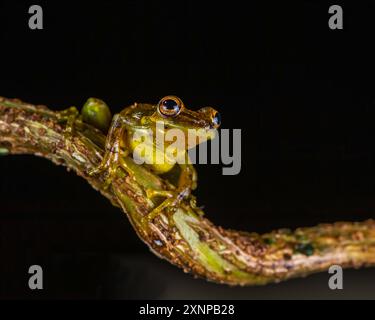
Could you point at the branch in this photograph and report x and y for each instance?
(186, 239)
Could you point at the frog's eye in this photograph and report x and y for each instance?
(216, 120)
(170, 106)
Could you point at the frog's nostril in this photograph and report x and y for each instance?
(216, 120)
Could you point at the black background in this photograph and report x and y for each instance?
(302, 94)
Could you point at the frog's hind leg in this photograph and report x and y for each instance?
(114, 151)
(172, 202)
(187, 182)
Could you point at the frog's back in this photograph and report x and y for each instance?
(136, 111)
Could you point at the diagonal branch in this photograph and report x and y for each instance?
(186, 239)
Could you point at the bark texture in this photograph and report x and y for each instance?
(186, 238)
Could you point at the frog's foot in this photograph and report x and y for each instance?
(110, 163)
(193, 204)
(173, 201)
(69, 116)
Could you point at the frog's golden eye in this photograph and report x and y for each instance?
(170, 106)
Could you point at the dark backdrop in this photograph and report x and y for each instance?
(302, 94)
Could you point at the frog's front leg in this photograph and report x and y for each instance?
(114, 150)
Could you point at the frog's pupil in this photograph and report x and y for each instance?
(170, 105)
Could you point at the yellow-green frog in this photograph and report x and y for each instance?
(137, 119)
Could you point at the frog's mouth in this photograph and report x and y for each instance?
(198, 136)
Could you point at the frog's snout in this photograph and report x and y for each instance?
(216, 120)
(213, 117)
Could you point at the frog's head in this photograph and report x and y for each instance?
(198, 125)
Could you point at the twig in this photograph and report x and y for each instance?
(186, 239)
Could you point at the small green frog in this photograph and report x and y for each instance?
(135, 119)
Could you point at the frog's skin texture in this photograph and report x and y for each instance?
(172, 113)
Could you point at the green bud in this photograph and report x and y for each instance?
(4, 151)
(97, 113)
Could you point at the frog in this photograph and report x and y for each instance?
(138, 118)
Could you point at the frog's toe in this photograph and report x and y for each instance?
(107, 182)
(109, 172)
(193, 204)
(152, 193)
(96, 171)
